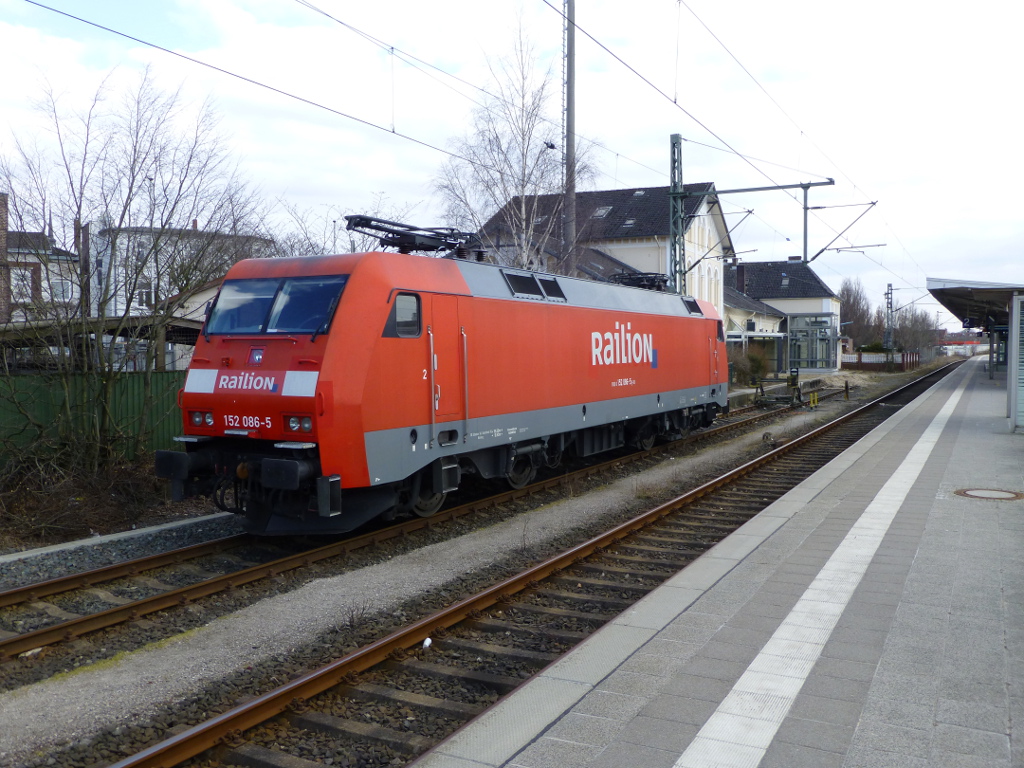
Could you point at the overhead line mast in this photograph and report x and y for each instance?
(677, 212)
(569, 204)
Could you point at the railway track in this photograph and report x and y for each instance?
(389, 701)
(36, 616)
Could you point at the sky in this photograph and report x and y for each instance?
(913, 105)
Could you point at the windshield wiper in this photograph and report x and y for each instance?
(322, 328)
(206, 318)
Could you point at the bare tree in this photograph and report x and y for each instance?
(915, 330)
(507, 172)
(856, 312)
(878, 328)
(140, 197)
(322, 231)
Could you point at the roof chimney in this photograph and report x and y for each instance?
(741, 279)
(195, 223)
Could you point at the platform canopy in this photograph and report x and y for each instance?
(978, 305)
(998, 309)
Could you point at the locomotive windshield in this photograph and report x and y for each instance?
(272, 305)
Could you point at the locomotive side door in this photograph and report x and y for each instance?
(447, 363)
(713, 351)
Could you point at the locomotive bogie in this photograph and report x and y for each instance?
(369, 384)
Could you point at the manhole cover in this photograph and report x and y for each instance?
(989, 493)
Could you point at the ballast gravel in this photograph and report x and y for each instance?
(18, 568)
(130, 689)
(126, 690)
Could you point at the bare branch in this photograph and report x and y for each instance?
(506, 164)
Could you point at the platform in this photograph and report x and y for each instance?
(873, 616)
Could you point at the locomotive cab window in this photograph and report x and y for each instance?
(404, 319)
(272, 305)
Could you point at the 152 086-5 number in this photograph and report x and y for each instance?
(247, 422)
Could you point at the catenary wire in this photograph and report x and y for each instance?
(257, 83)
(406, 57)
(370, 124)
(797, 126)
(422, 66)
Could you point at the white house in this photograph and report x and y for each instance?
(136, 269)
(38, 280)
(627, 231)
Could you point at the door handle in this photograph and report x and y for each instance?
(437, 398)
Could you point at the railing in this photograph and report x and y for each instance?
(881, 361)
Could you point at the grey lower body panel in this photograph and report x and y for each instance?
(395, 454)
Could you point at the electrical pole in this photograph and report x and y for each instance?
(677, 212)
(569, 203)
(677, 220)
(890, 320)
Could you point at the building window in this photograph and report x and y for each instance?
(62, 290)
(144, 294)
(21, 285)
(601, 212)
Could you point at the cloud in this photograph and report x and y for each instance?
(908, 104)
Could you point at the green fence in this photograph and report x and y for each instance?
(44, 406)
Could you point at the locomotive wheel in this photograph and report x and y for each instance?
(427, 504)
(644, 437)
(522, 473)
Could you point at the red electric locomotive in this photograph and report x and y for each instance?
(327, 391)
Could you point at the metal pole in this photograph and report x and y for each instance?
(889, 322)
(677, 190)
(569, 246)
(677, 219)
(806, 190)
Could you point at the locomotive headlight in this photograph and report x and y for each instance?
(201, 418)
(294, 423)
(307, 424)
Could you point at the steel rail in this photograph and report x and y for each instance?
(73, 628)
(226, 726)
(86, 579)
